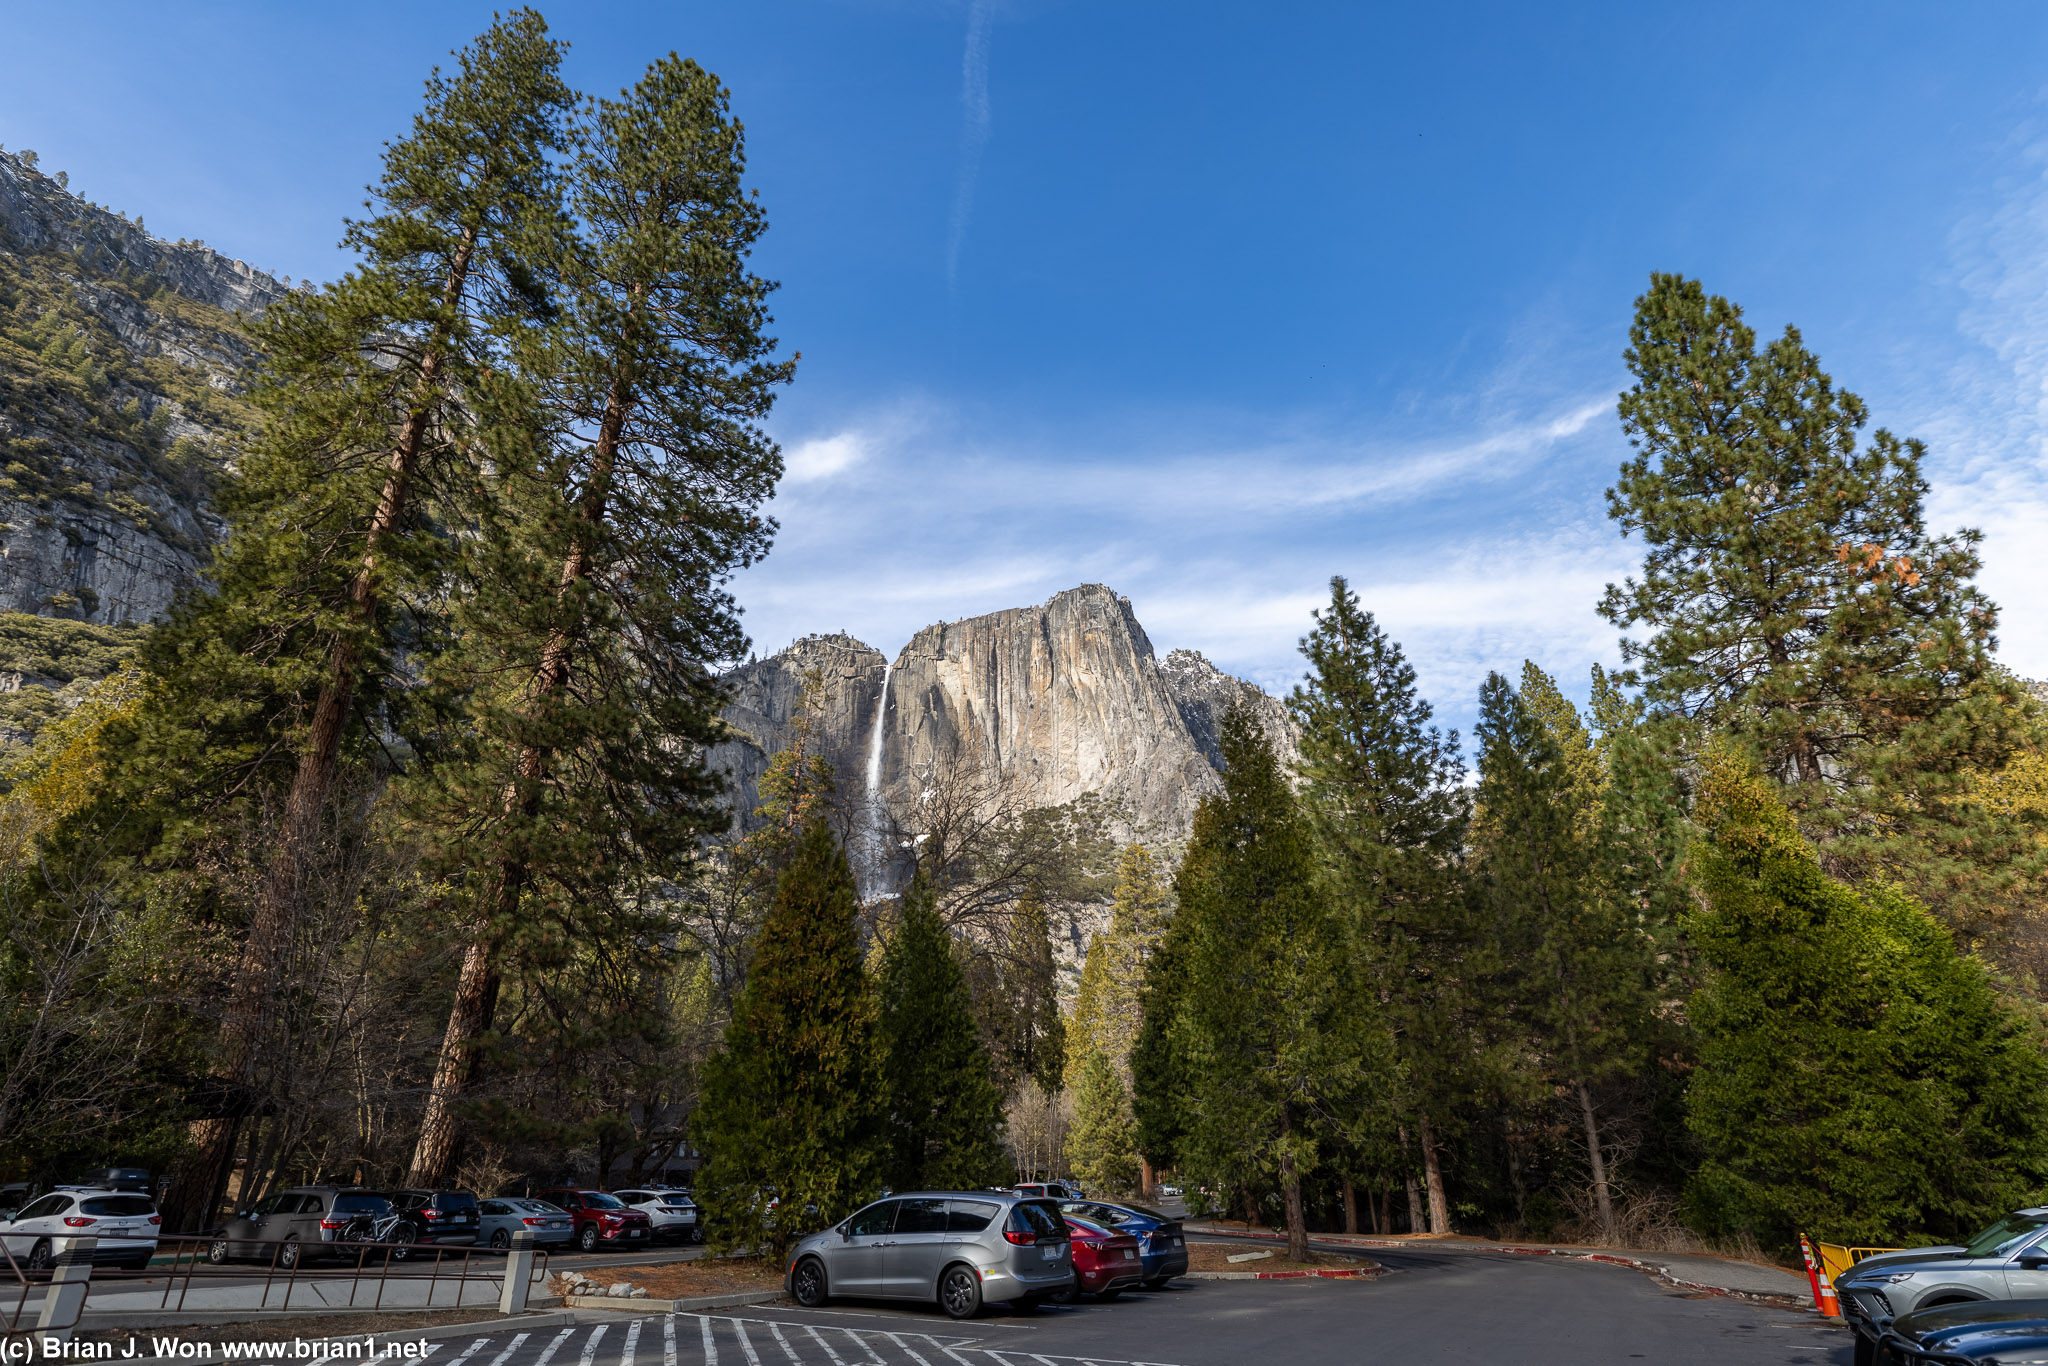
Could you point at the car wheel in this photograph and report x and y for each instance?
(288, 1256)
(960, 1293)
(40, 1256)
(502, 1241)
(696, 1235)
(217, 1251)
(1866, 1351)
(587, 1240)
(807, 1283)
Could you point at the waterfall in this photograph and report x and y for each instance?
(877, 852)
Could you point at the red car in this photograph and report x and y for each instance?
(1105, 1261)
(601, 1220)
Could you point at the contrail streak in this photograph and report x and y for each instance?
(973, 133)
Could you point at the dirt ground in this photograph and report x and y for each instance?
(709, 1276)
(1214, 1257)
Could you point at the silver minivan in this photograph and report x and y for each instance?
(958, 1248)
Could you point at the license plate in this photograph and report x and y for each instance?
(1050, 1252)
(635, 1232)
(1130, 1256)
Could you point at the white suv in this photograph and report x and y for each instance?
(674, 1215)
(125, 1223)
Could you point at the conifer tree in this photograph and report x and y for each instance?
(1858, 1080)
(1015, 986)
(602, 597)
(1277, 1038)
(1383, 792)
(1580, 974)
(945, 1114)
(793, 1108)
(1161, 1077)
(1107, 1010)
(1102, 1147)
(378, 393)
(1796, 599)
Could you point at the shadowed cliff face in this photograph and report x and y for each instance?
(1059, 700)
(120, 365)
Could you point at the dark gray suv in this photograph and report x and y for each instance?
(293, 1223)
(959, 1248)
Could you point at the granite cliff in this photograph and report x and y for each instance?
(1059, 700)
(121, 362)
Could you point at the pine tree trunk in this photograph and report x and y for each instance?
(1146, 1177)
(1350, 1206)
(470, 1017)
(1433, 1175)
(1415, 1220)
(253, 986)
(1603, 1200)
(1290, 1190)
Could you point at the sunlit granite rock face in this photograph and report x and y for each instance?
(1055, 701)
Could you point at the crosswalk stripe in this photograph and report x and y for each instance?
(863, 1344)
(710, 1343)
(632, 1341)
(548, 1353)
(590, 1345)
(668, 1341)
(836, 1360)
(788, 1350)
(510, 1348)
(908, 1350)
(470, 1353)
(740, 1331)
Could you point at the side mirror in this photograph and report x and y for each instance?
(2033, 1259)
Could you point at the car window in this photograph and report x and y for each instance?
(361, 1204)
(921, 1215)
(2003, 1236)
(267, 1205)
(1148, 1213)
(455, 1200)
(633, 1197)
(539, 1207)
(117, 1205)
(873, 1221)
(568, 1200)
(493, 1207)
(970, 1216)
(45, 1207)
(1038, 1216)
(599, 1200)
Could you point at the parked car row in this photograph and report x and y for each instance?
(328, 1220)
(1981, 1301)
(962, 1249)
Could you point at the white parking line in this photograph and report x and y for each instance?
(908, 1350)
(510, 1348)
(668, 1341)
(555, 1346)
(473, 1349)
(788, 1350)
(710, 1343)
(873, 1355)
(836, 1361)
(590, 1346)
(740, 1331)
(632, 1341)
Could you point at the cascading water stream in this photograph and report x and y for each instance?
(877, 854)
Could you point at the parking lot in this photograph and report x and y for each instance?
(1433, 1306)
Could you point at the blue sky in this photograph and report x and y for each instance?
(1209, 302)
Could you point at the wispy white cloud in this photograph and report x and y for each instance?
(974, 130)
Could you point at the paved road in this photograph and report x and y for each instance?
(1433, 1307)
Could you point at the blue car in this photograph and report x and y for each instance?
(1162, 1248)
(550, 1225)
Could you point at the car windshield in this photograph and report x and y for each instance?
(117, 1205)
(599, 1200)
(2004, 1235)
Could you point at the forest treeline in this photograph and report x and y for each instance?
(391, 855)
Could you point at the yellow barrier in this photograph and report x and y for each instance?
(1836, 1259)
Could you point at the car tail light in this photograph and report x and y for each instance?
(334, 1223)
(430, 1214)
(534, 1223)
(156, 1218)
(1020, 1239)
(78, 1220)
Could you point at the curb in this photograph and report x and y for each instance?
(140, 1320)
(1788, 1300)
(682, 1306)
(1327, 1274)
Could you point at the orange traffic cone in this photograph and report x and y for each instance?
(1824, 1297)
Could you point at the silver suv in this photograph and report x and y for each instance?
(960, 1248)
(2007, 1261)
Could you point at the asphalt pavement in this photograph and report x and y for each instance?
(1432, 1306)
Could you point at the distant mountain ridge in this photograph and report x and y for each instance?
(1060, 699)
(121, 366)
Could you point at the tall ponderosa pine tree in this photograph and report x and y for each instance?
(1107, 1011)
(1102, 1147)
(1015, 985)
(378, 393)
(945, 1114)
(1383, 791)
(1162, 1079)
(794, 1107)
(1579, 973)
(1277, 1036)
(601, 599)
(1797, 599)
(1858, 1079)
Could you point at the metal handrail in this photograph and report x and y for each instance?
(190, 1267)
